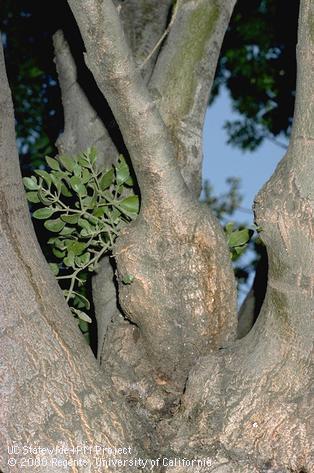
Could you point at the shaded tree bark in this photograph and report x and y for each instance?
(174, 381)
(252, 304)
(51, 386)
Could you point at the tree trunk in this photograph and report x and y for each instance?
(173, 381)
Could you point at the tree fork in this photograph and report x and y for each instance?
(254, 398)
(52, 390)
(246, 407)
(186, 308)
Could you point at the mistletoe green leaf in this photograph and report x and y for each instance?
(81, 300)
(129, 181)
(44, 197)
(52, 240)
(45, 175)
(99, 212)
(130, 204)
(58, 243)
(92, 155)
(82, 260)
(81, 315)
(33, 197)
(54, 226)
(89, 202)
(122, 171)
(58, 253)
(69, 260)
(77, 247)
(30, 183)
(68, 162)
(240, 237)
(115, 215)
(86, 176)
(65, 191)
(67, 231)
(229, 228)
(77, 170)
(70, 218)
(43, 213)
(57, 183)
(85, 224)
(239, 249)
(106, 179)
(54, 268)
(52, 163)
(83, 161)
(77, 185)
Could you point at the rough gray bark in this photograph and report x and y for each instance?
(144, 23)
(51, 388)
(183, 78)
(197, 392)
(183, 287)
(83, 127)
(73, 128)
(138, 19)
(251, 306)
(252, 401)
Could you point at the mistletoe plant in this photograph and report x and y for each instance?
(85, 209)
(238, 239)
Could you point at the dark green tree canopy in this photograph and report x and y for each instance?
(32, 75)
(258, 67)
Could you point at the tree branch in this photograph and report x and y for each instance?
(251, 306)
(182, 297)
(287, 195)
(144, 23)
(83, 126)
(111, 62)
(184, 74)
(42, 352)
(82, 129)
(254, 397)
(162, 37)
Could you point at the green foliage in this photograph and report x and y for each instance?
(258, 67)
(32, 76)
(238, 239)
(224, 207)
(84, 209)
(244, 134)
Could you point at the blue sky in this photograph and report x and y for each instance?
(222, 160)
